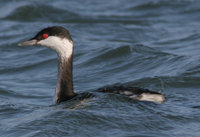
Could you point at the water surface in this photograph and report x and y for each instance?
(151, 44)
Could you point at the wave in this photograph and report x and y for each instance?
(45, 13)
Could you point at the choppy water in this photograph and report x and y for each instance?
(153, 44)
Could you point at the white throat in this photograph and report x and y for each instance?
(64, 49)
(62, 46)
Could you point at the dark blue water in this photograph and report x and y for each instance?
(152, 44)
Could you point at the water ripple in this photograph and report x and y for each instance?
(30, 13)
(152, 44)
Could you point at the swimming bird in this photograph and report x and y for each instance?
(58, 38)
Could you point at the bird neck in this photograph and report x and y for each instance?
(64, 89)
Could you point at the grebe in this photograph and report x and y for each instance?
(59, 39)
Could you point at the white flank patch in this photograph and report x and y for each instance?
(128, 93)
(158, 98)
(62, 46)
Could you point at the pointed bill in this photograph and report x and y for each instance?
(28, 43)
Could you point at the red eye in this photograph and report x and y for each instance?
(45, 36)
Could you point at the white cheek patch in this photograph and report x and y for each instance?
(62, 46)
